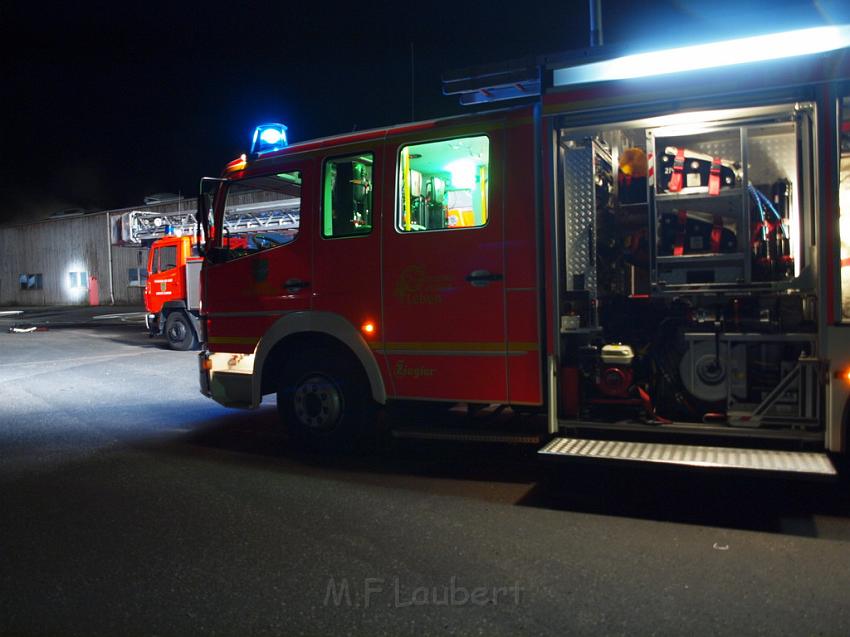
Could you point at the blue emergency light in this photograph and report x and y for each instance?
(268, 137)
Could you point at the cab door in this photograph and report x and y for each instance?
(263, 268)
(347, 257)
(443, 274)
(164, 282)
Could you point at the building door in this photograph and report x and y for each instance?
(443, 274)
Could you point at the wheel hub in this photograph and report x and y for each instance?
(318, 402)
(177, 332)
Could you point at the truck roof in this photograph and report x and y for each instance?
(344, 139)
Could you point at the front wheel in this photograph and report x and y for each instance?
(324, 400)
(179, 332)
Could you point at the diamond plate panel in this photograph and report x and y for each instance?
(773, 157)
(693, 455)
(728, 149)
(580, 224)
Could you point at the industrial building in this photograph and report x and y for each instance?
(97, 258)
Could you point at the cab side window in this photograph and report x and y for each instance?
(155, 261)
(347, 196)
(443, 185)
(164, 258)
(167, 258)
(261, 213)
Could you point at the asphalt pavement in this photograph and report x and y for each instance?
(22, 317)
(132, 505)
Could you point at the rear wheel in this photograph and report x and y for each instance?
(179, 332)
(324, 399)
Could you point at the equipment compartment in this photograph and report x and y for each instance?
(687, 288)
(723, 207)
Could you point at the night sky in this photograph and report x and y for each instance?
(106, 102)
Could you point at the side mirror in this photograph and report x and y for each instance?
(206, 195)
(202, 225)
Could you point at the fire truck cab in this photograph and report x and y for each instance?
(653, 261)
(172, 291)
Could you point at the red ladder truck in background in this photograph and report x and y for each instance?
(648, 255)
(172, 291)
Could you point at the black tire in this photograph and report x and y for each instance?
(324, 399)
(179, 332)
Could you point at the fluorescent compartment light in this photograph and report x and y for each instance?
(704, 56)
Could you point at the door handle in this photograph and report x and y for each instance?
(480, 278)
(294, 285)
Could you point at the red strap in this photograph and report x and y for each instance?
(679, 246)
(714, 177)
(756, 234)
(675, 184)
(716, 233)
(646, 400)
(650, 410)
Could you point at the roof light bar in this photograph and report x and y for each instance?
(268, 137)
(704, 56)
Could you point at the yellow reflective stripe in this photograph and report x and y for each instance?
(520, 346)
(491, 346)
(446, 347)
(516, 346)
(233, 340)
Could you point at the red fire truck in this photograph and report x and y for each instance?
(172, 291)
(648, 252)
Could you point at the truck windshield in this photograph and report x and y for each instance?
(260, 213)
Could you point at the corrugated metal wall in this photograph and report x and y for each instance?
(125, 258)
(57, 247)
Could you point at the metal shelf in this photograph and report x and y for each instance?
(729, 203)
(701, 259)
(731, 270)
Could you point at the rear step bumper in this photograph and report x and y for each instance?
(797, 462)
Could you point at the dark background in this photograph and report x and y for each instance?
(106, 102)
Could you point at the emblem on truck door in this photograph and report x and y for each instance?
(415, 287)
